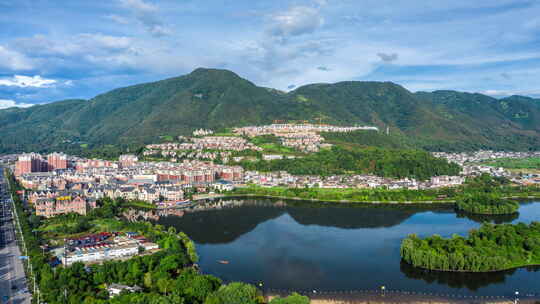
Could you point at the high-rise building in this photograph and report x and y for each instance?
(28, 163)
(56, 161)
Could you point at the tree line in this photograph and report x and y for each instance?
(378, 161)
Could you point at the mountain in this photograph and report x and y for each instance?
(219, 99)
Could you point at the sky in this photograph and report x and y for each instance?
(62, 49)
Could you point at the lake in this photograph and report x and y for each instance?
(332, 247)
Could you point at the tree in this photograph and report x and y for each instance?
(236, 293)
(295, 298)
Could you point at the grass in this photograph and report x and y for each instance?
(106, 225)
(139, 204)
(167, 138)
(51, 227)
(228, 134)
(278, 149)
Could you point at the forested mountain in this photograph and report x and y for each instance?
(219, 99)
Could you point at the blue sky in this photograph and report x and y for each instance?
(60, 49)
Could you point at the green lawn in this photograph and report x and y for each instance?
(275, 148)
(54, 229)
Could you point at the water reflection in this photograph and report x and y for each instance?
(472, 281)
(496, 219)
(305, 245)
(208, 226)
(225, 220)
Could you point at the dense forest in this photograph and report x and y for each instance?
(487, 204)
(382, 162)
(362, 138)
(489, 248)
(167, 277)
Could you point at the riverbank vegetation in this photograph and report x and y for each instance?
(346, 194)
(489, 248)
(486, 204)
(382, 162)
(167, 276)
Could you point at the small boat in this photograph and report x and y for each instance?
(223, 262)
(179, 203)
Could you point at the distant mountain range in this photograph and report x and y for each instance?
(219, 99)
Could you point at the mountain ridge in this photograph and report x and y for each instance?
(219, 99)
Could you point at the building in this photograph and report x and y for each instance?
(115, 289)
(49, 207)
(127, 160)
(56, 161)
(30, 162)
(100, 252)
(100, 247)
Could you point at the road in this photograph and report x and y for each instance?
(13, 288)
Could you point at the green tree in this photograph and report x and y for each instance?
(294, 298)
(236, 293)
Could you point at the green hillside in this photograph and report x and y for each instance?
(219, 99)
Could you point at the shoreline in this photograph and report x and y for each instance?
(329, 201)
(351, 201)
(469, 271)
(406, 297)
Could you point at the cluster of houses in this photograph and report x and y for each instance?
(303, 137)
(221, 143)
(202, 132)
(465, 158)
(277, 129)
(472, 164)
(176, 156)
(76, 188)
(272, 179)
(304, 141)
(96, 248)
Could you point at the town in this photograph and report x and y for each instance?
(60, 184)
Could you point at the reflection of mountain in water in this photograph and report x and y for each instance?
(225, 224)
(349, 218)
(469, 280)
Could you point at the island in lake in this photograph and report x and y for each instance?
(486, 204)
(489, 248)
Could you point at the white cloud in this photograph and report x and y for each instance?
(502, 93)
(106, 41)
(117, 19)
(139, 5)
(13, 60)
(297, 20)
(146, 14)
(27, 81)
(7, 103)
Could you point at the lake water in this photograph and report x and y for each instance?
(328, 247)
